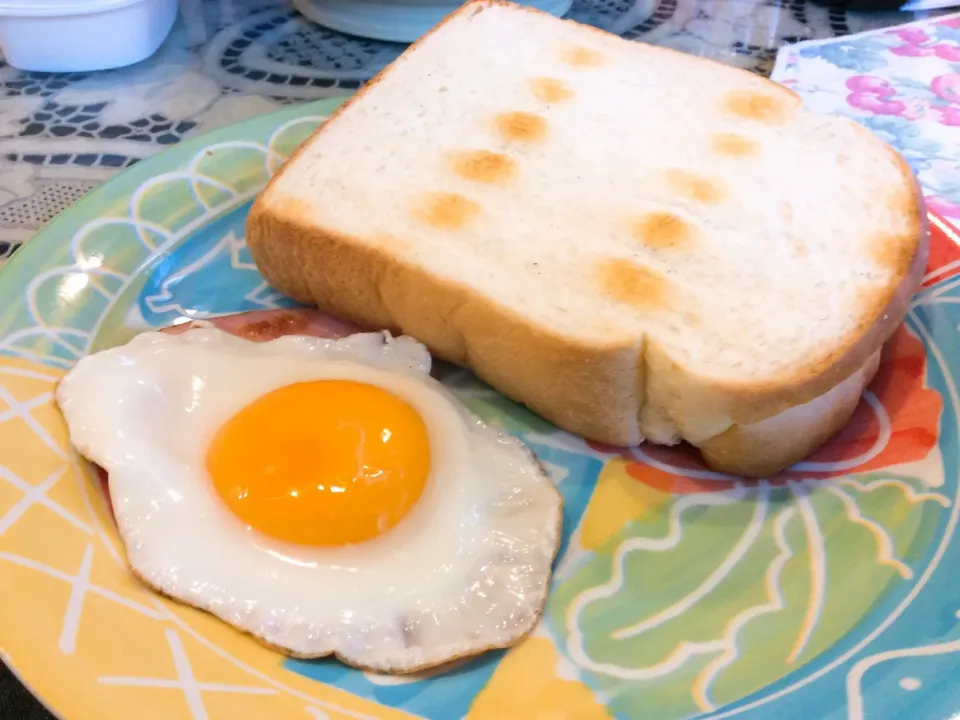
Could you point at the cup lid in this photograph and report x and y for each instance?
(53, 8)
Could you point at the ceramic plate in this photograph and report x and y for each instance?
(829, 591)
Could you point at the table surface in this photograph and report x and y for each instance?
(61, 135)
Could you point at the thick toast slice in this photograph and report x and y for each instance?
(635, 243)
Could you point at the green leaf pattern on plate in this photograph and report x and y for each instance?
(746, 587)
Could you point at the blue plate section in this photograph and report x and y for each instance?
(209, 274)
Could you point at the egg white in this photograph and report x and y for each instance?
(466, 570)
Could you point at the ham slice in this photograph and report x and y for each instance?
(264, 325)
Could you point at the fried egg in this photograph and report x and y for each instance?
(325, 496)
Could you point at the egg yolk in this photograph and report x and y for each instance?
(329, 462)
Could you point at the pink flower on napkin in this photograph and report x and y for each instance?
(912, 51)
(943, 207)
(917, 43)
(903, 84)
(876, 104)
(946, 115)
(947, 51)
(947, 87)
(874, 95)
(910, 35)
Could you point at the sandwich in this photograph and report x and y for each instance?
(637, 244)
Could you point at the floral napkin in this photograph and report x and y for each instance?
(903, 83)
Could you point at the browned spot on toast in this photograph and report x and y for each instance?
(894, 252)
(662, 230)
(445, 211)
(632, 284)
(696, 187)
(735, 145)
(578, 56)
(521, 126)
(762, 107)
(550, 90)
(483, 166)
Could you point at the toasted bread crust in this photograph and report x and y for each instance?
(593, 391)
(702, 407)
(597, 392)
(763, 448)
(618, 393)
